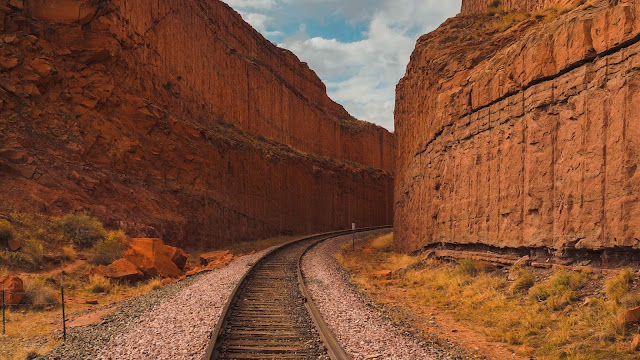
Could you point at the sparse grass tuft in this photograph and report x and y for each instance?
(69, 253)
(153, 284)
(99, 284)
(33, 250)
(618, 286)
(109, 249)
(7, 232)
(508, 20)
(384, 242)
(39, 293)
(81, 229)
(469, 267)
(523, 282)
(13, 259)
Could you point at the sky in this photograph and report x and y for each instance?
(359, 48)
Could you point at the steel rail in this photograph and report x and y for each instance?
(333, 348)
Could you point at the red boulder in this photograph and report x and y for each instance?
(13, 289)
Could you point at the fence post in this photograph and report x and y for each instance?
(64, 323)
(3, 316)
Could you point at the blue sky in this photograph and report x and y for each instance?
(359, 48)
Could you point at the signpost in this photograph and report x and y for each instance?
(353, 237)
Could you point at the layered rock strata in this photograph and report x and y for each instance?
(524, 137)
(176, 119)
(470, 7)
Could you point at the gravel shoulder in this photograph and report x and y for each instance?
(361, 328)
(174, 322)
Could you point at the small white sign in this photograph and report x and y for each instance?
(353, 226)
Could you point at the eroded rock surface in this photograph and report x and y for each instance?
(470, 7)
(524, 137)
(176, 119)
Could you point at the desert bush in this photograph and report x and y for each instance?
(469, 267)
(382, 242)
(7, 232)
(560, 290)
(33, 250)
(13, 259)
(618, 286)
(109, 249)
(39, 294)
(99, 284)
(68, 253)
(523, 282)
(83, 230)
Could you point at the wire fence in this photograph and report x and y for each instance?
(6, 294)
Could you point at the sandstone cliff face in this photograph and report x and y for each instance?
(176, 119)
(470, 7)
(523, 138)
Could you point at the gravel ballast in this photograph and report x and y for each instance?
(362, 330)
(174, 322)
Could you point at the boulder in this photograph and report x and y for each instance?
(121, 269)
(177, 255)
(14, 289)
(215, 256)
(630, 316)
(151, 257)
(14, 244)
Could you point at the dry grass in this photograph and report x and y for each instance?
(510, 19)
(153, 284)
(40, 293)
(99, 284)
(560, 314)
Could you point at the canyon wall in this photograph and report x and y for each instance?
(470, 7)
(524, 137)
(177, 119)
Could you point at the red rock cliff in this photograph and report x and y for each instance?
(176, 119)
(523, 137)
(470, 7)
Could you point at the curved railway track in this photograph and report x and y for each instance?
(270, 314)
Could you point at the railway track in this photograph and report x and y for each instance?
(270, 314)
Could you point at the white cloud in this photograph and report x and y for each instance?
(360, 75)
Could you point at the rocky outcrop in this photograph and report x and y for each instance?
(524, 137)
(175, 119)
(153, 258)
(475, 7)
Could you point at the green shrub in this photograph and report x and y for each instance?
(109, 249)
(524, 282)
(469, 267)
(13, 259)
(33, 250)
(83, 230)
(7, 232)
(618, 286)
